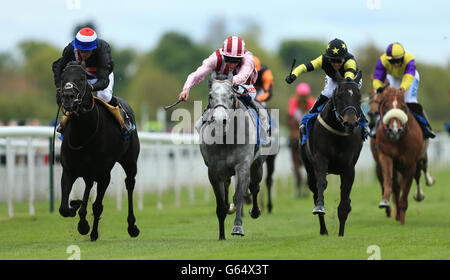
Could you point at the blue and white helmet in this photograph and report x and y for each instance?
(85, 40)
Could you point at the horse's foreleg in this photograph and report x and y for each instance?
(83, 225)
(66, 187)
(97, 206)
(221, 208)
(405, 186)
(344, 206)
(387, 166)
(321, 185)
(133, 230)
(242, 181)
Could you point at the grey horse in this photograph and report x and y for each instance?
(229, 148)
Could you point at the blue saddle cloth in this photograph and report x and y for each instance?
(309, 119)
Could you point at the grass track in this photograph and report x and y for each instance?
(190, 231)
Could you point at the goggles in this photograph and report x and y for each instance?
(335, 60)
(396, 60)
(232, 60)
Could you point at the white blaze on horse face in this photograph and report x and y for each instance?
(351, 92)
(68, 85)
(395, 103)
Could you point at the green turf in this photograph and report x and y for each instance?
(190, 231)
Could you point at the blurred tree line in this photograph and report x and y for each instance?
(152, 79)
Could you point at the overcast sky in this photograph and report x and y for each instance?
(423, 27)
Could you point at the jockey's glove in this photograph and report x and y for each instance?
(290, 78)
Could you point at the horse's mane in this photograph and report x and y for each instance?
(73, 63)
(391, 91)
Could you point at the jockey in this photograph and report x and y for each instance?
(264, 83)
(301, 102)
(95, 54)
(336, 58)
(231, 57)
(398, 67)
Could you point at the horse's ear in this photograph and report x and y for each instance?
(358, 77)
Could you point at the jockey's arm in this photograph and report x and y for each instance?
(379, 76)
(308, 67)
(408, 76)
(103, 69)
(208, 65)
(267, 83)
(246, 69)
(350, 69)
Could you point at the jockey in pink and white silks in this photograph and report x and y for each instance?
(231, 57)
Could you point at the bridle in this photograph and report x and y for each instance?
(75, 106)
(235, 103)
(339, 114)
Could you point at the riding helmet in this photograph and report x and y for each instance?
(336, 49)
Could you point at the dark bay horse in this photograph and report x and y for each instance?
(228, 150)
(92, 144)
(333, 147)
(399, 152)
(375, 99)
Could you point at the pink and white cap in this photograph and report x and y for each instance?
(233, 46)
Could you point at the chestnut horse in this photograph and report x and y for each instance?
(398, 147)
(375, 99)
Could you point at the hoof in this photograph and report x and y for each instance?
(83, 227)
(430, 182)
(319, 210)
(384, 204)
(94, 236)
(238, 230)
(133, 231)
(232, 209)
(419, 197)
(254, 213)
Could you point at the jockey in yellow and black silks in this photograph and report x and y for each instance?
(399, 69)
(336, 58)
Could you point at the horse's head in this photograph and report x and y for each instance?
(74, 87)
(346, 103)
(221, 98)
(394, 113)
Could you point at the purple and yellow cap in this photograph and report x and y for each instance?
(395, 51)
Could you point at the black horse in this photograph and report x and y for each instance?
(333, 147)
(91, 145)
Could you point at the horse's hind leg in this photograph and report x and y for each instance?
(256, 176)
(66, 187)
(429, 180)
(270, 162)
(97, 206)
(83, 225)
(419, 195)
(311, 180)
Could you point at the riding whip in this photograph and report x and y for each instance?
(174, 104)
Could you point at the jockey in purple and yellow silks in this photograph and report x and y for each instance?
(398, 67)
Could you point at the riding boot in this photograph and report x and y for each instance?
(364, 131)
(418, 109)
(321, 100)
(262, 116)
(127, 125)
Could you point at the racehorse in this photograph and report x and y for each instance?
(240, 158)
(294, 147)
(92, 144)
(334, 146)
(400, 152)
(375, 99)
